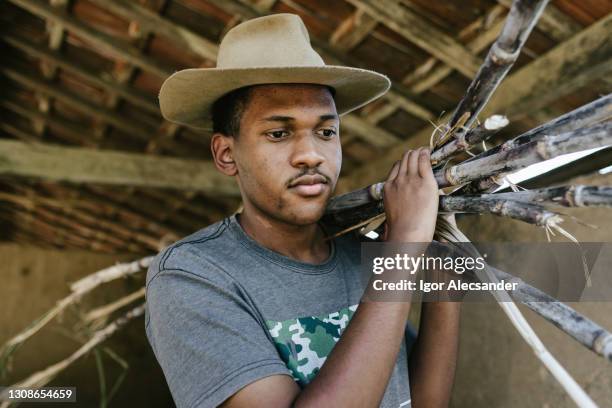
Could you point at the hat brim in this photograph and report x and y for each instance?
(186, 97)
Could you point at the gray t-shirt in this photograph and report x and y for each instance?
(223, 311)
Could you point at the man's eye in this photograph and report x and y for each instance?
(328, 133)
(277, 134)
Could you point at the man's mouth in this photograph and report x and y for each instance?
(309, 185)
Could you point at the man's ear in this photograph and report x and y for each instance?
(222, 147)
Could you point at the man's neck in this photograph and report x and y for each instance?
(302, 243)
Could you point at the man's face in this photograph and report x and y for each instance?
(288, 153)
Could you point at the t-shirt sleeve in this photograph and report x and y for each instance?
(206, 338)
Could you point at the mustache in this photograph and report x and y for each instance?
(310, 172)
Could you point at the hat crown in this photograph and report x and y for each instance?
(278, 40)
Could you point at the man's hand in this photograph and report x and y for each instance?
(411, 199)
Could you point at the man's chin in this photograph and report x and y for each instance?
(308, 213)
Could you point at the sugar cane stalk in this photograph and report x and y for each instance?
(576, 325)
(526, 212)
(578, 395)
(599, 110)
(41, 378)
(541, 146)
(522, 18)
(566, 196)
(357, 206)
(465, 139)
(79, 289)
(545, 148)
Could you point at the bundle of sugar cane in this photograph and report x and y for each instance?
(584, 128)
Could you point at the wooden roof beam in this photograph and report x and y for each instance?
(81, 165)
(150, 207)
(139, 131)
(107, 207)
(208, 213)
(56, 38)
(29, 238)
(569, 66)
(133, 55)
(374, 135)
(18, 133)
(432, 72)
(64, 129)
(123, 74)
(416, 30)
(564, 69)
(134, 96)
(353, 31)
(153, 22)
(140, 32)
(29, 198)
(476, 45)
(69, 132)
(56, 233)
(104, 42)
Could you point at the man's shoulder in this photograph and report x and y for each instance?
(351, 242)
(194, 253)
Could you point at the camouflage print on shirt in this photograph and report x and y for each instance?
(305, 342)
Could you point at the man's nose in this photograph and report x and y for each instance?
(306, 152)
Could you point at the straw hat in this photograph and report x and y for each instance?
(274, 49)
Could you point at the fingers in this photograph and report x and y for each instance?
(413, 163)
(394, 171)
(424, 164)
(404, 164)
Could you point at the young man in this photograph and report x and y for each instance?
(259, 309)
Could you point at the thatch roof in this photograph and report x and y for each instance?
(84, 74)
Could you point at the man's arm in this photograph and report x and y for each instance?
(356, 372)
(358, 369)
(433, 358)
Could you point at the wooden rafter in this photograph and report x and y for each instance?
(140, 131)
(353, 31)
(154, 23)
(103, 203)
(416, 30)
(28, 199)
(56, 36)
(432, 72)
(136, 97)
(100, 40)
(80, 165)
